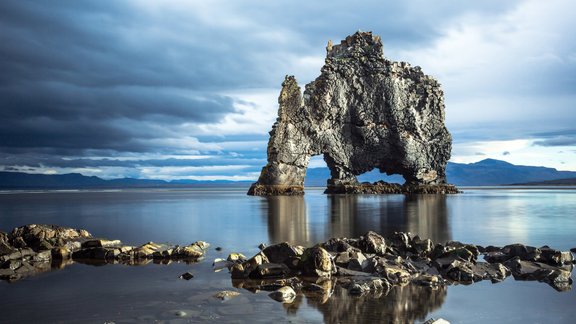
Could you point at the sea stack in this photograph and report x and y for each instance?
(363, 112)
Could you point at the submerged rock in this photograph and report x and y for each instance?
(363, 112)
(226, 295)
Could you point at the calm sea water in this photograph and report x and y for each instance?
(238, 223)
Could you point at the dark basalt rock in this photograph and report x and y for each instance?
(363, 112)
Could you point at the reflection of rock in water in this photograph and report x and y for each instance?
(401, 305)
(287, 219)
(425, 215)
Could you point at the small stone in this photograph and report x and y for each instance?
(262, 246)
(180, 313)
(186, 276)
(218, 249)
(284, 295)
(226, 295)
(236, 257)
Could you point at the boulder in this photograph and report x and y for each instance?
(555, 257)
(316, 262)
(282, 253)
(372, 242)
(338, 245)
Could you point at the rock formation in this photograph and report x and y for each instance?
(362, 112)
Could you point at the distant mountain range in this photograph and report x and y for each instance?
(487, 172)
(18, 180)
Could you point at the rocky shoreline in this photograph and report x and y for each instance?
(32, 249)
(370, 264)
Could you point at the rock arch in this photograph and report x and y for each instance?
(362, 112)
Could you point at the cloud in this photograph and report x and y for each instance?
(112, 88)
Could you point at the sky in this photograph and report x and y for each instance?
(185, 89)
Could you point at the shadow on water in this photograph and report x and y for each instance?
(290, 219)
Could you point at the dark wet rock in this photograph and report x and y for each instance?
(558, 278)
(555, 257)
(338, 245)
(401, 242)
(573, 250)
(283, 295)
(371, 242)
(282, 252)
(270, 270)
(363, 112)
(422, 247)
(495, 272)
(186, 276)
(526, 253)
(218, 248)
(317, 262)
(396, 274)
(357, 262)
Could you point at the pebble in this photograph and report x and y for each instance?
(186, 276)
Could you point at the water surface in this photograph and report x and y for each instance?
(229, 219)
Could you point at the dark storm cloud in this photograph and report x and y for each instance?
(106, 78)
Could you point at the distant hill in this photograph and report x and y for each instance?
(19, 180)
(488, 172)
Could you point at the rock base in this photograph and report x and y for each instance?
(275, 190)
(382, 187)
